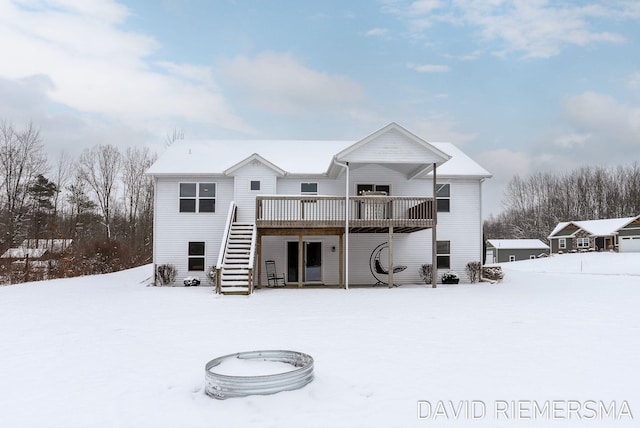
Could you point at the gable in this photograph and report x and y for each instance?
(392, 144)
(255, 160)
(568, 230)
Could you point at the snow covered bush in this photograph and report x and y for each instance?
(450, 277)
(212, 275)
(426, 272)
(494, 273)
(473, 271)
(166, 274)
(191, 281)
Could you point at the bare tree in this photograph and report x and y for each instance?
(99, 168)
(177, 134)
(535, 204)
(21, 160)
(136, 186)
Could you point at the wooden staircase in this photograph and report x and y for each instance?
(236, 273)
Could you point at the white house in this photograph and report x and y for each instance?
(226, 207)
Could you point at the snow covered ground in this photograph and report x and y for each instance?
(108, 351)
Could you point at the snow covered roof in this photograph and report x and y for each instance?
(21, 253)
(53, 245)
(460, 163)
(518, 244)
(308, 157)
(603, 227)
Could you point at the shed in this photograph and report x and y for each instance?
(511, 250)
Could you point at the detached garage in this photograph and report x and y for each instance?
(629, 237)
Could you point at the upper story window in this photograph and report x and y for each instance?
(197, 197)
(254, 185)
(443, 197)
(365, 189)
(309, 188)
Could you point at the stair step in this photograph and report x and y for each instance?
(224, 284)
(238, 291)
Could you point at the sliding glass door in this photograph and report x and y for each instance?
(312, 262)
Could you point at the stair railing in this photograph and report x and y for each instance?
(252, 253)
(231, 217)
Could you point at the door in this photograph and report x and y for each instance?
(373, 211)
(312, 262)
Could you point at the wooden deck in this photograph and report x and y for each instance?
(367, 214)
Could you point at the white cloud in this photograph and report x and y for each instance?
(278, 83)
(503, 164)
(429, 68)
(571, 140)
(377, 32)
(603, 114)
(534, 28)
(634, 80)
(98, 68)
(439, 128)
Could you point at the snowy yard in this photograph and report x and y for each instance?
(109, 351)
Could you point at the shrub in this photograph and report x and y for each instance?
(426, 272)
(494, 273)
(191, 281)
(473, 271)
(450, 276)
(166, 274)
(212, 275)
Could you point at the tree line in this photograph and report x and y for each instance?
(534, 205)
(101, 200)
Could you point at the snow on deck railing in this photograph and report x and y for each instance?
(231, 214)
(284, 210)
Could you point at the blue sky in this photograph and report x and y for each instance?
(521, 86)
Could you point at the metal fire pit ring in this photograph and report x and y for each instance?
(222, 386)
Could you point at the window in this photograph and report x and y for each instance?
(196, 256)
(512, 258)
(562, 243)
(443, 197)
(363, 189)
(254, 185)
(309, 188)
(582, 242)
(443, 254)
(197, 197)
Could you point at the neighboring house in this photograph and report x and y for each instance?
(37, 249)
(511, 250)
(226, 207)
(39, 255)
(629, 237)
(595, 235)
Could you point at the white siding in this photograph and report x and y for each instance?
(462, 225)
(392, 146)
(246, 198)
(326, 186)
(174, 230)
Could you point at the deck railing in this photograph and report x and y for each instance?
(280, 211)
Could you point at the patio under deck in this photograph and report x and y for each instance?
(315, 215)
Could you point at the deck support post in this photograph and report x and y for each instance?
(300, 259)
(341, 263)
(256, 281)
(390, 257)
(434, 242)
